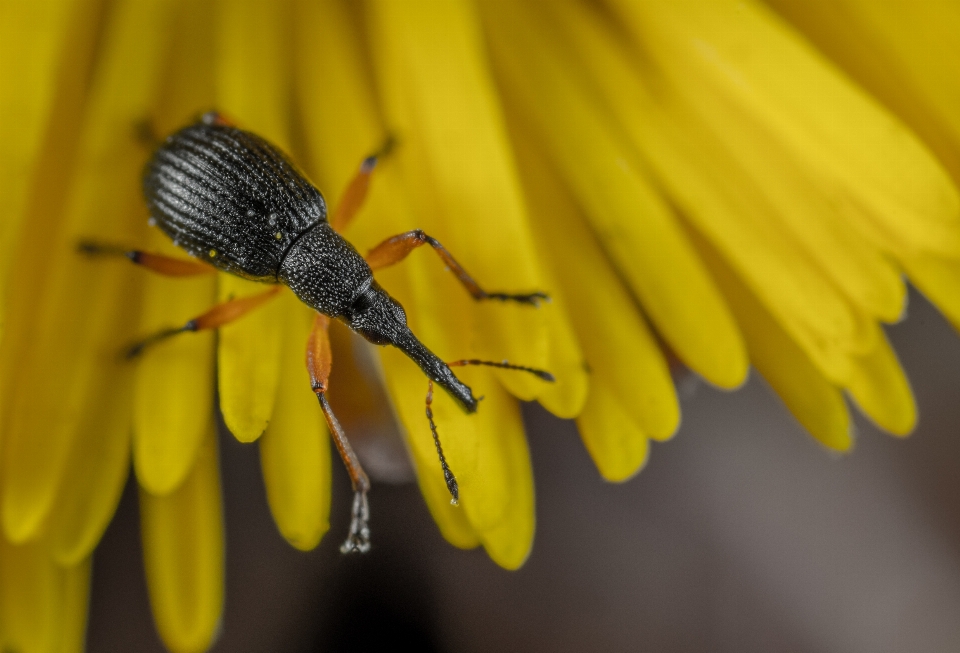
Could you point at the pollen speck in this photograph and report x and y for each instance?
(213, 253)
(278, 236)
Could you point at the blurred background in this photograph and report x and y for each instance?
(741, 534)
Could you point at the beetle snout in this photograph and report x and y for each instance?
(380, 319)
(437, 370)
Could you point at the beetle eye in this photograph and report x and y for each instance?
(363, 301)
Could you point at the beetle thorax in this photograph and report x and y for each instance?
(326, 272)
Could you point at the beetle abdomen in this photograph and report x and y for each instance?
(230, 198)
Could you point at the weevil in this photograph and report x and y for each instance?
(236, 203)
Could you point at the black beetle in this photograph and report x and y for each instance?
(237, 203)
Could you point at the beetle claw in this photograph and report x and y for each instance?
(358, 539)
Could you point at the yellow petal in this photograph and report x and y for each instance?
(340, 133)
(173, 391)
(733, 179)
(253, 72)
(739, 52)
(295, 451)
(93, 477)
(619, 349)
(29, 598)
(173, 396)
(43, 607)
(249, 362)
(771, 259)
(76, 314)
(44, 195)
(438, 94)
(253, 88)
(809, 245)
(498, 498)
(183, 555)
(880, 389)
(903, 53)
(24, 270)
(408, 387)
(189, 80)
(73, 613)
(615, 441)
(816, 402)
(566, 396)
(939, 279)
(652, 252)
(31, 37)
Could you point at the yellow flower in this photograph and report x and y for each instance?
(691, 176)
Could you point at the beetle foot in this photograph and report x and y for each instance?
(358, 539)
(533, 299)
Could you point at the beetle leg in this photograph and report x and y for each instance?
(356, 191)
(319, 360)
(165, 265)
(218, 316)
(395, 249)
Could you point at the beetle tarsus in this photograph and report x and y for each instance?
(134, 350)
(533, 299)
(358, 539)
(94, 248)
(385, 149)
(396, 248)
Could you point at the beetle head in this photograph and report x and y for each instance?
(380, 318)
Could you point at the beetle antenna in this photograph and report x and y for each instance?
(448, 476)
(540, 374)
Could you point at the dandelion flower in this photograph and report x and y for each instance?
(727, 183)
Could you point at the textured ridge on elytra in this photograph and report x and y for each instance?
(230, 198)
